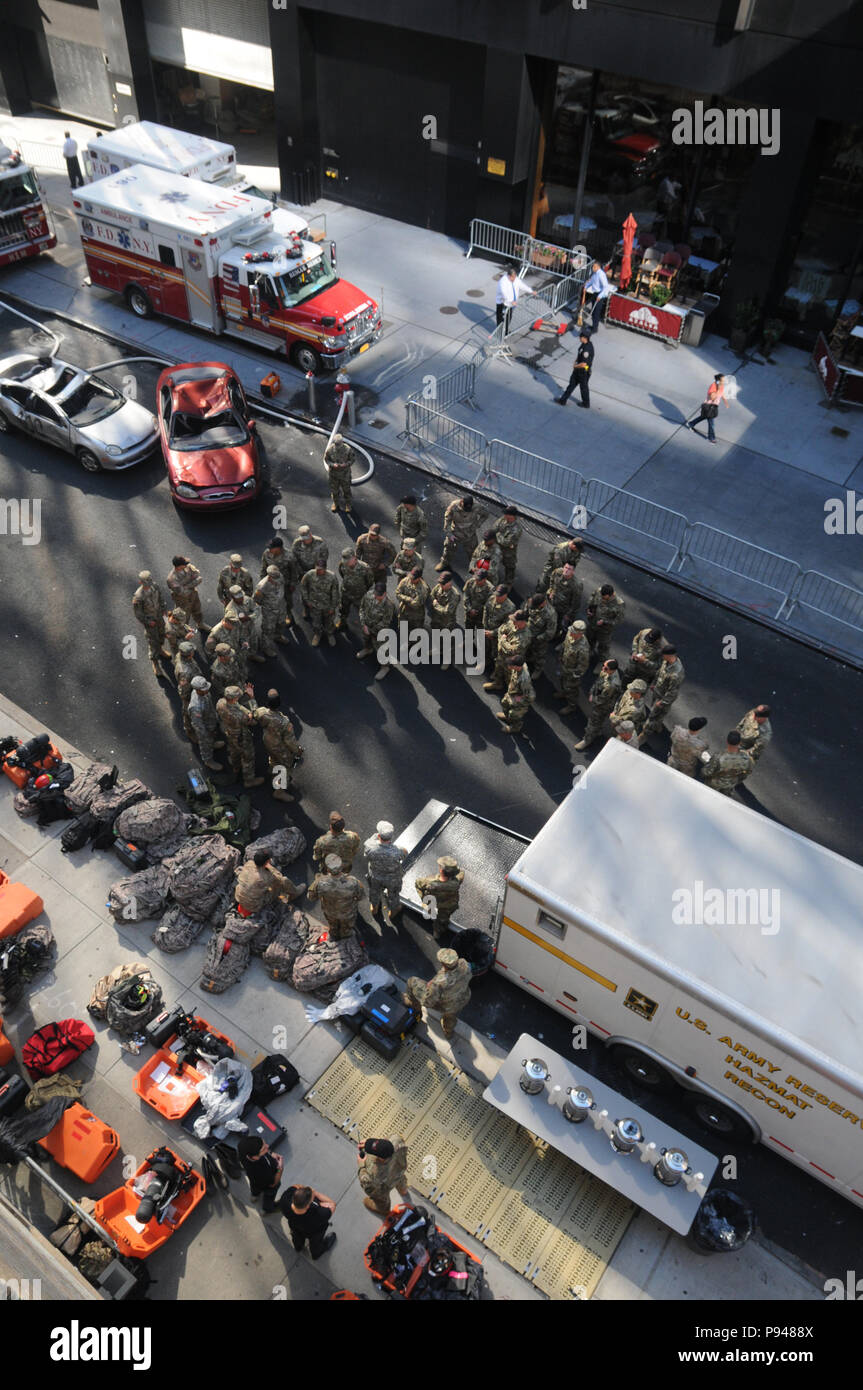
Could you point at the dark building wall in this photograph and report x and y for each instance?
(61, 48)
(130, 72)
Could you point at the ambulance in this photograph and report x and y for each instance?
(209, 256)
(712, 951)
(26, 228)
(179, 152)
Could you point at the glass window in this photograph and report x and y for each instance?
(166, 255)
(18, 192)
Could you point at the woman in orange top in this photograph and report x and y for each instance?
(710, 406)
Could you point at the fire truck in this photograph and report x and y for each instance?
(211, 257)
(26, 228)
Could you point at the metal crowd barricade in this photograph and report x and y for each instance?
(442, 432)
(454, 387)
(504, 242)
(661, 525)
(833, 600)
(524, 469)
(742, 558)
(41, 156)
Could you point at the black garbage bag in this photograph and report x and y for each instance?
(477, 948)
(723, 1222)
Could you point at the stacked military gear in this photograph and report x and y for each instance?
(157, 823)
(97, 778)
(228, 953)
(283, 845)
(107, 805)
(139, 898)
(23, 957)
(217, 812)
(200, 873)
(177, 929)
(323, 964)
(289, 942)
(413, 1257)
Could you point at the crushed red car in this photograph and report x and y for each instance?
(209, 444)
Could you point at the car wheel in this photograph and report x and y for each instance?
(89, 461)
(5, 424)
(139, 302)
(641, 1069)
(718, 1119)
(305, 358)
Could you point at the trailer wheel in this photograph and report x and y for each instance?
(305, 358)
(641, 1068)
(718, 1119)
(139, 302)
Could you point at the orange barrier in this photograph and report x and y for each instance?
(116, 1212)
(82, 1143)
(18, 906)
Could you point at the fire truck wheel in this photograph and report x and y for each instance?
(88, 461)
(139, 302)
(305, 358)
(719, 1120)
(641, 1069)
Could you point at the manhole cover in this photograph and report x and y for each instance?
(475, 294)
(379, 424)
(449, 309)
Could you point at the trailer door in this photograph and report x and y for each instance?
(199, 291)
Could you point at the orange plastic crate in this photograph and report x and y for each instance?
(171, 1095)
(116, 1212)
(18, 906)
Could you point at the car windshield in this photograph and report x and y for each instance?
(222, 431)
(306, 280)
(93, 401)
(18, 192)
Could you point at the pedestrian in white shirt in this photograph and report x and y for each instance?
(70, 154)
(509, 287)
(598, 287)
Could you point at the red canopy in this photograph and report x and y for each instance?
(630, 227)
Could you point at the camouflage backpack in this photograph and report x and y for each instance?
(140, 896)
(285, 845)
(149, 821)
(98, 777)
(132, 1003)
(322, 967)
(200, 873)
(106, 806)
(99, 997)
(177, 930)
(289, 942)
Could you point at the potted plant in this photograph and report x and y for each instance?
(543, 256)
(660, 295)
(745, 321)
(771, 332)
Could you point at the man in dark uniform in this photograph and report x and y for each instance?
(580, 373)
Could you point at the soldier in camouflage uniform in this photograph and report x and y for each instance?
(725, 771)
(337, 840)
(280, 744)
(308, 551)
(412, 595)
(687, 747)
(460, 524)
(631, 707)
(440, 895)
(574, 661)
(356, 579)
(513, 641)
(233, 573)
(237, 723)
(384, 861)
(224, 671)
(755, 731)
(176, 630)
(604, 613)
(625, 732)
(477, 592)
(646, 655)
(339, 458)
(497, 610)
(509, 532)
(542, 621)
(270, 596)
(604, 694)
(148, 605)
(447, 992)
(320, 590)
(564, 593)
(205, 723)
(382, 1166)
(411, 520)
(285, 562)
(517, 698)
(488, 552)
(376, 551)
(183, 582)
(444, 599)
(377, 614)
(240, 606)
(227, 631)
(566, 553)
(408, 558)
(664, 689)
(185, 670)
(339, 894)
(257, 882)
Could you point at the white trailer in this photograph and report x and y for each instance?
(709, 947)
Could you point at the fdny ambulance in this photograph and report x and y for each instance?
(25, 224)
(179, 152)
(210, 256)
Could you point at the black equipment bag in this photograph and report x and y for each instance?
(384, 1044)
(273, 1076)
(387, 1012)
(164, 1026)
(79, 833)
(13, 1093)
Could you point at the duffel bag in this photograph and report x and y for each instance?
(132, 1003)
(54, 1046)
(323, 967)
(80, 792)
(79, 833)
(106, 806)
(273, 1076)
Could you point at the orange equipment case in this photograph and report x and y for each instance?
(7, 1051)
(173, 1096)
(21, 775)
(414, 1279)
(18, 906)
(116, 1212)
(82, 1143)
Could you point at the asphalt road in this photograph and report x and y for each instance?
(382, 749)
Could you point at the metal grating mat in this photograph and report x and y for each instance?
(540, 1213)
(485, 852)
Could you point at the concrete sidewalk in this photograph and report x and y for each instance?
(781, 453)
(227, 1251)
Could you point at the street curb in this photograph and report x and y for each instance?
(429, 470)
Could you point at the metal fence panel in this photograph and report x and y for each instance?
(42, 156)
(505, 242)
(626, 509)
(441, 432)
(838, 601)
(516, 465)
(742, 558)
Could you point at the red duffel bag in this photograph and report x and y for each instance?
(54, 1046)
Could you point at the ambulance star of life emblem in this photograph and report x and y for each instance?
(174, 198)
(124, 239)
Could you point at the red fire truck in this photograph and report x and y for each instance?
(210, 256)
(25, 223)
